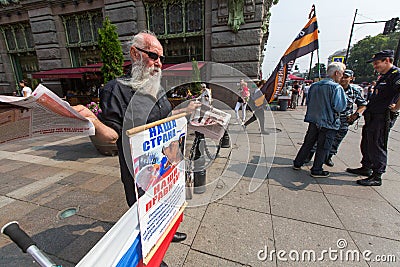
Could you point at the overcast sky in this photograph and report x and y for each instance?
(334, 22)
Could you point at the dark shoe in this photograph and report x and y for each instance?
(321, 174)
(163, 264)
(309, 157)
(360, 171)
(329, 162)
(294, 167)
(372, 180)
(179, 237)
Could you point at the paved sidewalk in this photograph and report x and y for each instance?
(243, 213)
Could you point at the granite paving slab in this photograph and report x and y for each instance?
(233, 233)
(371, 217)
(303, 205)
(307, 244)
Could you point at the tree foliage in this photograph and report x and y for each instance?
(364, 49)
(111, 51)
(322, 70)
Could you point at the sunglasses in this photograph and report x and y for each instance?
(151, 55)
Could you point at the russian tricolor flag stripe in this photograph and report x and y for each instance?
(121, 246)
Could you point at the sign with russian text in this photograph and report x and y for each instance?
(159, 168)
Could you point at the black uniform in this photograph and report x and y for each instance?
(378, 121)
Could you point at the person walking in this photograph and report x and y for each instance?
(380, 115)
(242, 101)
(295, 95)
(305, 93)
(326, 99)
(257, 103)
(25, 90)
(131, 101)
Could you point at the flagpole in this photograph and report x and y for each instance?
(309, 72)
(319, 68)
(314, 13)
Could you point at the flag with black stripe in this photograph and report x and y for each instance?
(305, 42)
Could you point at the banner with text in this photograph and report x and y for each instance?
(159, 167)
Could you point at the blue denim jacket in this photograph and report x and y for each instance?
(326, 99)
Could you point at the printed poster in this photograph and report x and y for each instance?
(159, 167)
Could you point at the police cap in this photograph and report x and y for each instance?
(381, 55)
(348, 73)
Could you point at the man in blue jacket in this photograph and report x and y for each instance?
(326, 99)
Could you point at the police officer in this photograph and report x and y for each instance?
(380, 115)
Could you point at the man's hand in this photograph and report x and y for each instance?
(353, 117)
(192, 106)
(393, 108)
(85, 112)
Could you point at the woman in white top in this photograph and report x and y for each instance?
(26, 91)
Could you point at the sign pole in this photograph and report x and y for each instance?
(351, 35)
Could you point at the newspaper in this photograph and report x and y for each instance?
(209, 121)
(42, 113)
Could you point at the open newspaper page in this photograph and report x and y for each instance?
(159, 167)
(41, 113)
(209, 121)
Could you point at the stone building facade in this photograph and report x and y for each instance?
(39, 35)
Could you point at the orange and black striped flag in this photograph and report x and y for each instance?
(305, 42)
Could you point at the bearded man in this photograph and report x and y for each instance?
(131, 101)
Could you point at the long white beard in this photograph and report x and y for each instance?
(142, 80)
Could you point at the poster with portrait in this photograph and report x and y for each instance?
(159, 168)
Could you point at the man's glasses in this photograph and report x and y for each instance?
(151, 55)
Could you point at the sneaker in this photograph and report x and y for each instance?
(363, 171)
(329, 162)
(321, 174)
(372, 180)
(296, 167)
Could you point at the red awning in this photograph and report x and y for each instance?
(184, 69)
(71, 73)
(295, 78)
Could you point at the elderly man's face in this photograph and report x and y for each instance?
(150, 55)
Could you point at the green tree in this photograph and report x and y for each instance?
(322, 71)
(111, 51)
(195, 87)
(364, 49)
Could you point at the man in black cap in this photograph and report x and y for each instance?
(380, 115)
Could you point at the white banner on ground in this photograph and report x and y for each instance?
(42, 113)
(159, 167)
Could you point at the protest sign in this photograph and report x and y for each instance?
(159, 168)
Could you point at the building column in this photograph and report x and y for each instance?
(46, 38)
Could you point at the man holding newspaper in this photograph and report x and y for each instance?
(131, 101)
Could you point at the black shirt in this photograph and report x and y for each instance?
(386, 92)
(122, 109)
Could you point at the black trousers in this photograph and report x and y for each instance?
(373, 143)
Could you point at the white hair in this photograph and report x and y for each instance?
(140, 75)
(335, 66)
